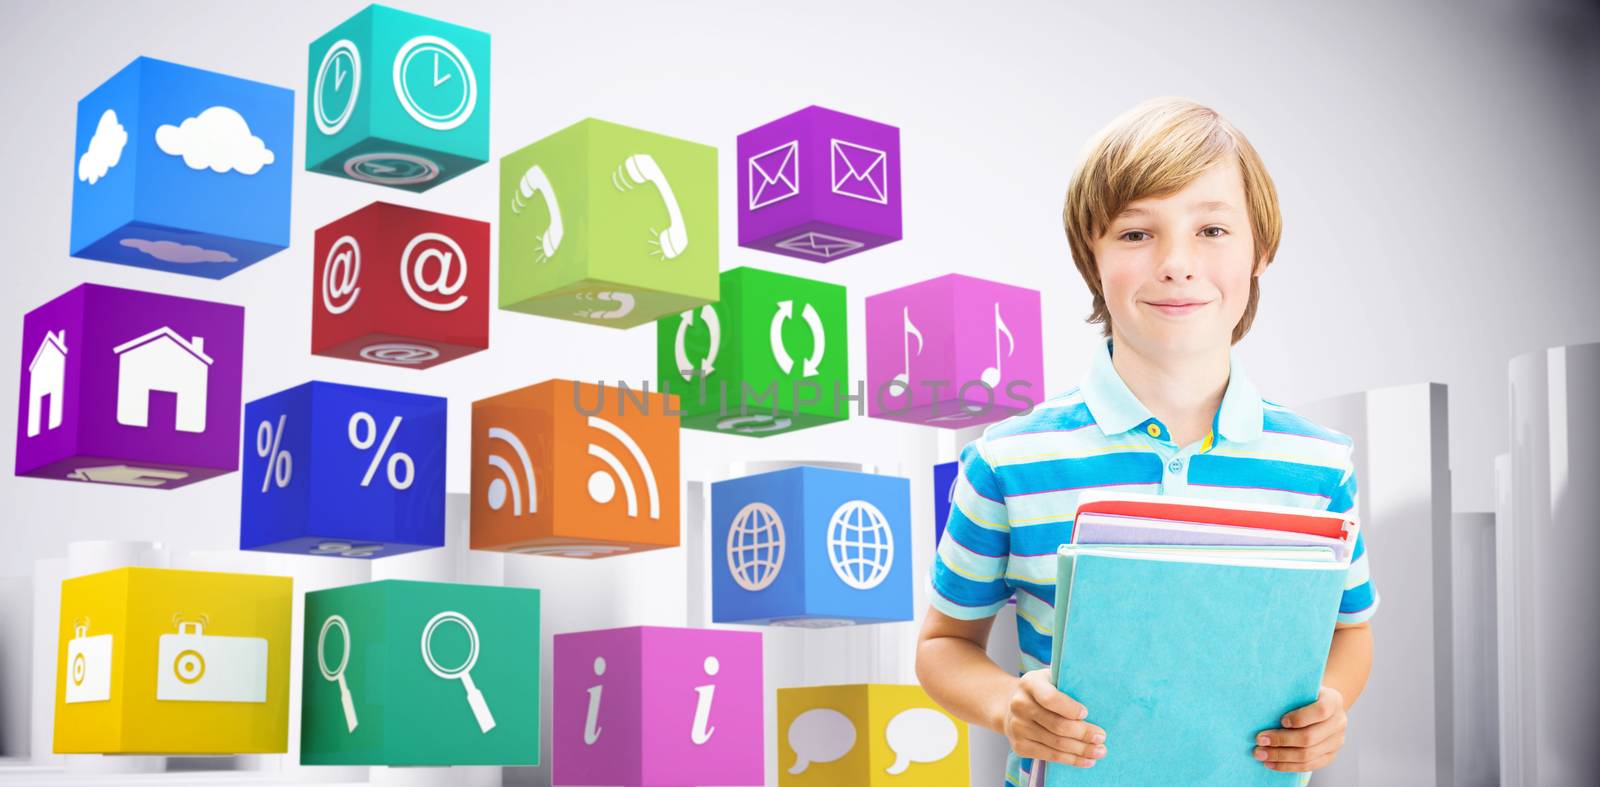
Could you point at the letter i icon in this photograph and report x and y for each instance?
(591, 727)
(702, 711)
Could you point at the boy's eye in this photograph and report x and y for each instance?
(1219, 232)
(1141, 233)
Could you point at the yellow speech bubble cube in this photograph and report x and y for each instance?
(874, 735)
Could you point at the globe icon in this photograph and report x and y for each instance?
(755, 546)
(860, 545)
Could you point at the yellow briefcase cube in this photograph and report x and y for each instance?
(873, 735)
(164, 661)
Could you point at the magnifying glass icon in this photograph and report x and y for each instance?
(463, 673)
(337, 674)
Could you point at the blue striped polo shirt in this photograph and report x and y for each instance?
(1019, 483)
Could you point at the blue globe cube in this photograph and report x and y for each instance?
(182, 170)
(811, 546)
(343, 471)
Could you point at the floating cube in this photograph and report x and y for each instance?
(162, 661)
(954, 352)
(435, 310)
(819, 185)
(651, 706)
(128, 387)
(812, 547)
(182, 170)
(872, 735)
(608, 225)
(771, 356)
(574, 469)
(420, 673)
(344, 471)
(944, 495)
(398, 100)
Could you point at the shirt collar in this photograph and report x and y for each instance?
(1117, 410)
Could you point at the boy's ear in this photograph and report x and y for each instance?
(1261, 266)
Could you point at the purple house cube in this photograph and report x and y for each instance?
(819, 185)
(655, 707)
(953, 352)
(128, 387)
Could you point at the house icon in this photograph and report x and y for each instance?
(161, 360)
(47, 377)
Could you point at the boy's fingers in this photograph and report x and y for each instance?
(1061, 743)
(1054, 724)
(1302, 737)
(1323, 708)
(1038, 751)
(1055, 700)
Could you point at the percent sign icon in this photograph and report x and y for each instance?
(279, 463)
(362, 422)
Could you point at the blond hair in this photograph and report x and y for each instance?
(1152, 150)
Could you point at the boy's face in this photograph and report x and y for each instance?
(1194, 247)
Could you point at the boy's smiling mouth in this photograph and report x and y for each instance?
(1176, 307)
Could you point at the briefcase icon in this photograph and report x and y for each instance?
(88, 666)
(195, 667)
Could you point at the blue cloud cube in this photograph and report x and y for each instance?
(182, 170)
(343, 471)
(811, 546)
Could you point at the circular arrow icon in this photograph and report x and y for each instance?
(818, 343)
(686, 368)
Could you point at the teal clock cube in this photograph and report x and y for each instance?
(398, 100)
(608, 225)
(398, 672)
(771, 356)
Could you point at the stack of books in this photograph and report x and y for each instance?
(1187, 626)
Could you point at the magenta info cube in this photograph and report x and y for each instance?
(819, 185)
(953, 352)
(659, 707)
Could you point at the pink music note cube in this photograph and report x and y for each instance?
(953, 352)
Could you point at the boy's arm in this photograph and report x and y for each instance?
(1349, 660)
(955, 669)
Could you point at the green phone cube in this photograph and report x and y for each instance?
(608, 225)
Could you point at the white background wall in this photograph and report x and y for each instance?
(1436, 165)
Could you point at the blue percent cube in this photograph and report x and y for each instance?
(182, 170)
(811, 546)
(343, 471)
(944, 495)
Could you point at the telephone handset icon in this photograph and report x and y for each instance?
(534, 181)
(638, 170)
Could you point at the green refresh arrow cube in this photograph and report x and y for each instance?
(608, 225)
(420, 673)
(398, 100)
(771, 356)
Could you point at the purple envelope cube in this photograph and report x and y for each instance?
(954, 352)
(653, 707)
(819, 185)
(128, 387)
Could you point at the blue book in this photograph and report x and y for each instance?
(1183, 657)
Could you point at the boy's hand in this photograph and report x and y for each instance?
(1043, 723)
(1310, 738)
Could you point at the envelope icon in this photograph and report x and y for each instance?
(775, 174)
(860, 172)
(817, 244)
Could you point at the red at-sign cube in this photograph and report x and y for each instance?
(401, 287)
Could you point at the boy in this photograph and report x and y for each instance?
(1171, 217)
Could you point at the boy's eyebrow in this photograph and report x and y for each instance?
(1198, 207)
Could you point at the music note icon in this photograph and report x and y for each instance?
(991, 375)
(903, 379)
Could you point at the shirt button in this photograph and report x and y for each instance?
(1175, 465)
(1154, 429)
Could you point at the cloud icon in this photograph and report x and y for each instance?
(217, 139)
(105, 148)
(170, 251)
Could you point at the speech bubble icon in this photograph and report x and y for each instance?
(920, 735)
(820, 735)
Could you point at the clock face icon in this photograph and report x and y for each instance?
(391, 169)
(435, 83)
(337, 87)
